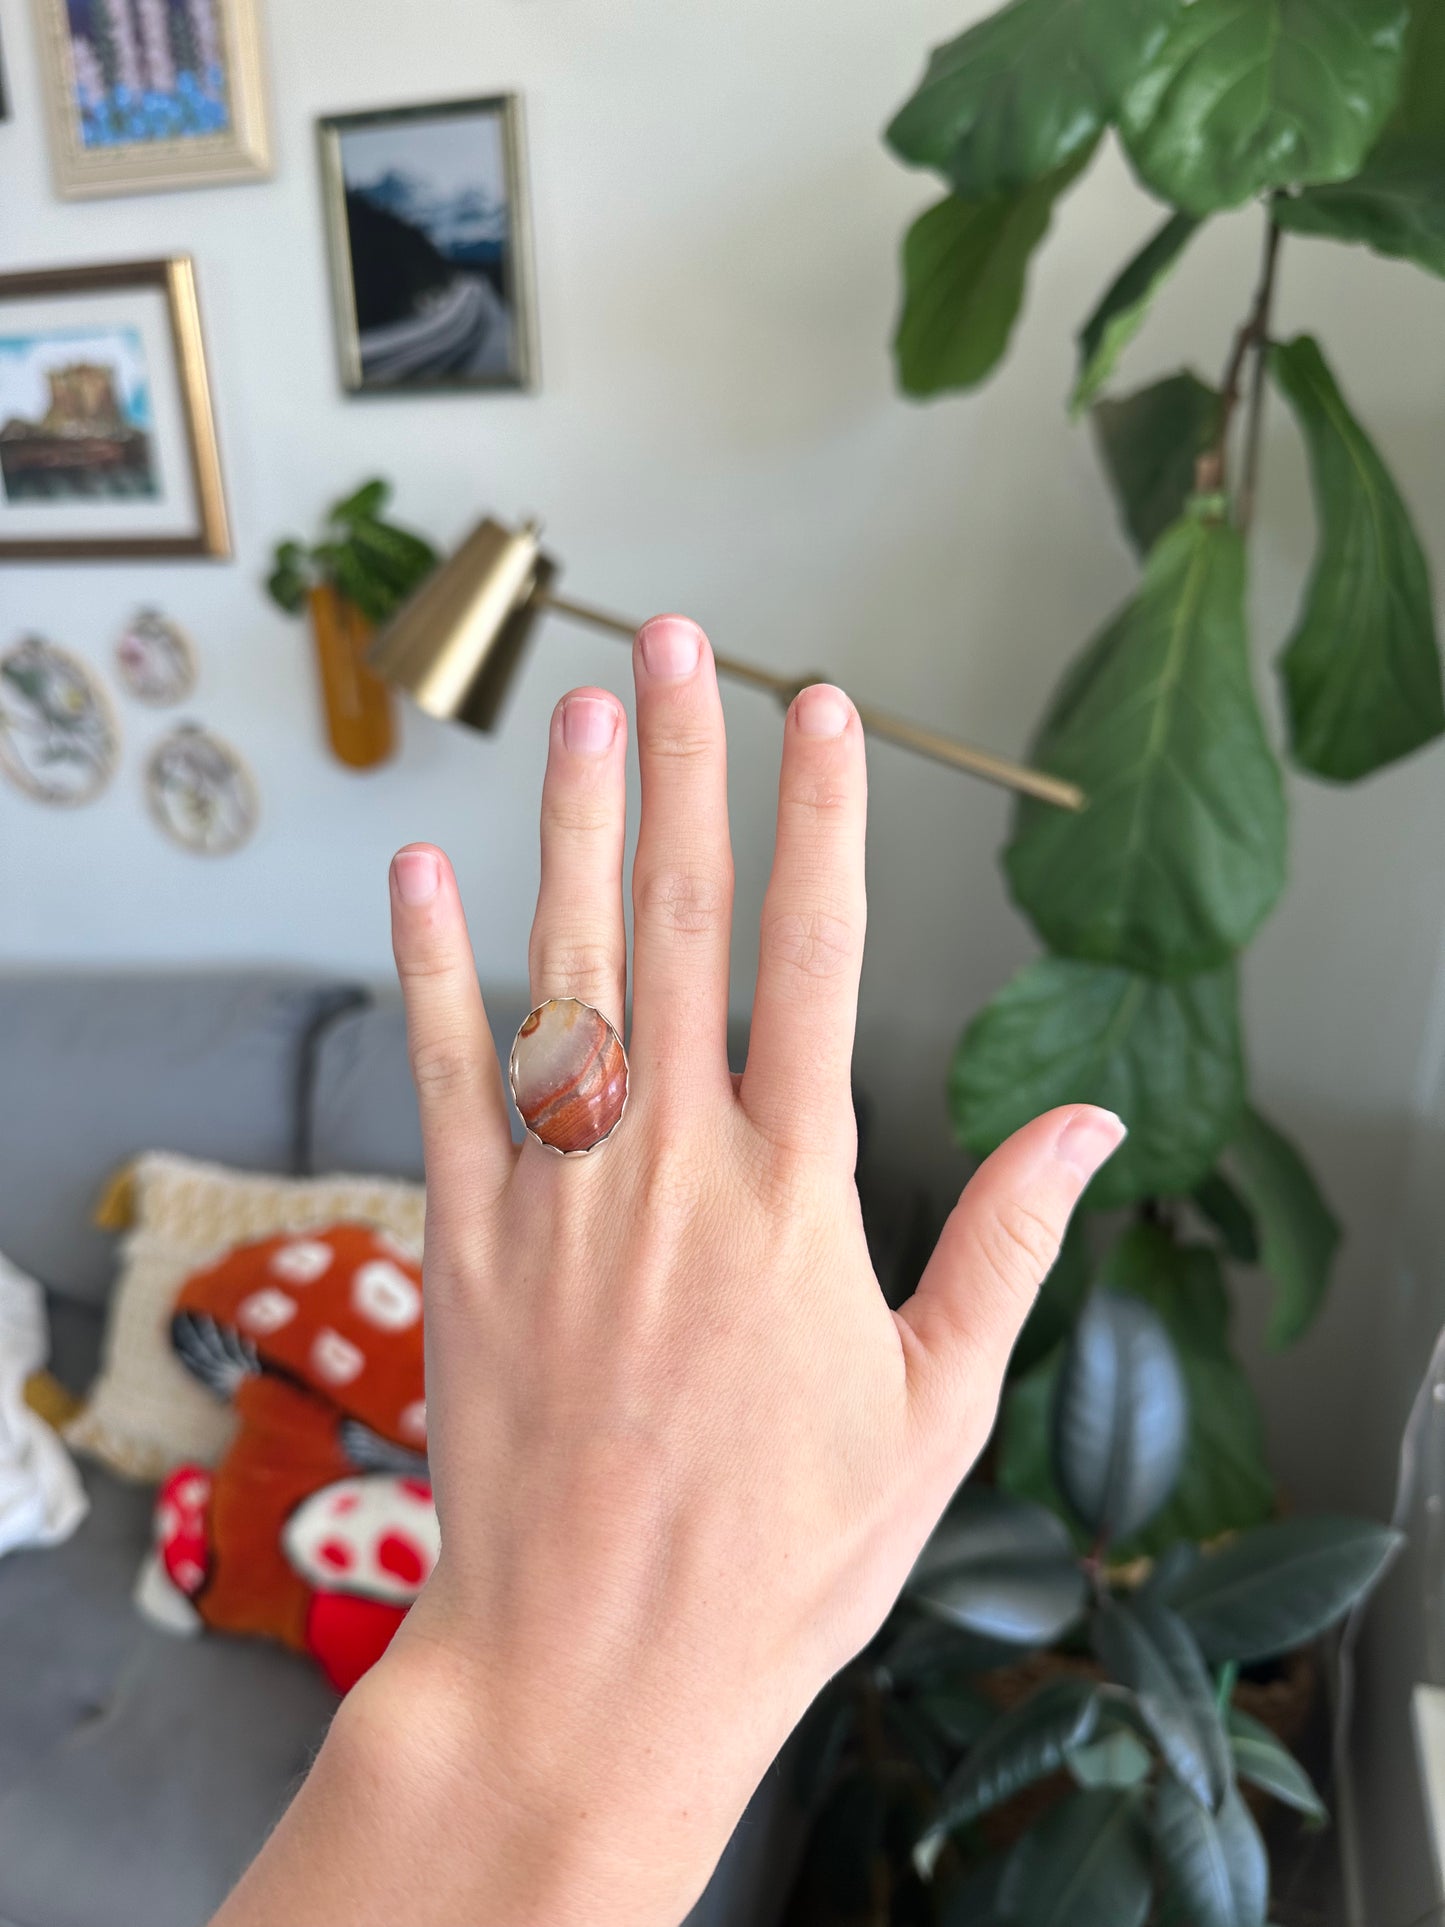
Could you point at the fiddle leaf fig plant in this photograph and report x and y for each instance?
(1130, 1769)
(1331, 121)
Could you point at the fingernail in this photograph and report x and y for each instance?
(417, 874)
(589, 724)
(822, 710)
(671, 646)
(1090, 1137)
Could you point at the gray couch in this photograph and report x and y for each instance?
(139, 1773)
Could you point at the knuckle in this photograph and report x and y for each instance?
(1019, 1244)
(571, 814)
(814, 943)
(444, 1066)
(824, 795)
(681, 740)
(689, 902)
(572, 961)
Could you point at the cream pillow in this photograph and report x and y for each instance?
(145, 1412)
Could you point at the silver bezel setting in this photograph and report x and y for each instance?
(607, 1136)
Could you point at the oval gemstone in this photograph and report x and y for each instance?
(569, 1075)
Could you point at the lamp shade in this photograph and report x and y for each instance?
(454, 646)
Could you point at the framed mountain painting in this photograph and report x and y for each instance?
(430, 249)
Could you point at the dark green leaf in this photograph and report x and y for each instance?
(1000, 1567)
(1084, 1865)
(1181, 851)
(965, 264)
(1057, 1305)
(1277, 1587)
(957, 1715)
(1025, 1744)
(818, 1746)
(1120, 1753)
(1120, 314)
(1361, 670)
(402, 559)
(365, 504)
(1146, 1647)
(1150, 443)
(973, 1900)
(1169, 1569)
(1025, 90)
(287, 589)
(1264, 1762)
(358, 582)
(1215, 1865)
(1231, 1217)
(1164, 1056)
(917, 1739)
(1120, 1417)
(1245, 95)
(1298, 1231)
(1183, 1285)
(1396, 203)
(1224, 1484)
(848, 1837)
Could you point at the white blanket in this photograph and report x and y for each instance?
(42, 1500)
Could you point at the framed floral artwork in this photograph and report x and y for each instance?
(107, 442)
(143, 95)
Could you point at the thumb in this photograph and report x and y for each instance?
(999, 1244)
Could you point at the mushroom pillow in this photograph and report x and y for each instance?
(317, 1528)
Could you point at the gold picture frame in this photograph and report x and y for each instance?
(187, 128)
(505, 282)
(198, 489)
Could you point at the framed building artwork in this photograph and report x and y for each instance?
(430, 246)
(107, 442)
(143, 95)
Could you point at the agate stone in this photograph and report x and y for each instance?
(569, 1075)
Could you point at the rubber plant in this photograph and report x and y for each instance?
(1125, 1779)
(1330, 120)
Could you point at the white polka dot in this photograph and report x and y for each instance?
(335, 1358)
(303, 1261)
(266, 1310)
(412, 1423)
(384, 1294)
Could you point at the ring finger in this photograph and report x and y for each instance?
(579, 945)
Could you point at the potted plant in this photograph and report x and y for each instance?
(1116, 1787)
(357, 574)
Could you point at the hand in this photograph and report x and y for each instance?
(684, 1454)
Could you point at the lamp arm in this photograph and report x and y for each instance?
(878, 722)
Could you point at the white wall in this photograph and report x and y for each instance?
(716, 232)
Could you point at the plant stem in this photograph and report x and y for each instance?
(1224, 1685)
(1252, 335)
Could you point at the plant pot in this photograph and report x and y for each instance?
(358, 705)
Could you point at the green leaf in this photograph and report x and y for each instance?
(1215, 1866)
(956, 1714)
(1120, 1417)
(1084, 1865)
(1150, 443)
(1021, 93)
(1146, 1647)
(1361, 670)
(965, 264)
(1182, 1284)
(1181, 852)
(1277, 1587)
(1057, 1305)
(1231, 1217)
(1118, 1758)
(1299, 1233)
(1120, 314)
(1164, 1056)
(1396, 203)
(402, 559)
(365, 504)
(287, 589)
(1027, 1743)
(1264, 1762)
(1002, 1568)
(1246, 95)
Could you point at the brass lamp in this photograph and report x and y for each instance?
(455, 647)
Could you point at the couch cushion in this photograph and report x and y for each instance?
(97, 1067)
(138, 1772)
(363, 1105)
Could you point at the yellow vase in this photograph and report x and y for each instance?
(358, 704)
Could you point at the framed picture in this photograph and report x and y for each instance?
(107, 446)
(430, 247)
(149, 94)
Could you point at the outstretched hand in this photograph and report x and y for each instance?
(684, 1454)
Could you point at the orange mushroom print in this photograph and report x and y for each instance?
(319, 1528)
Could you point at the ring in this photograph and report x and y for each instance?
(568, 1073)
